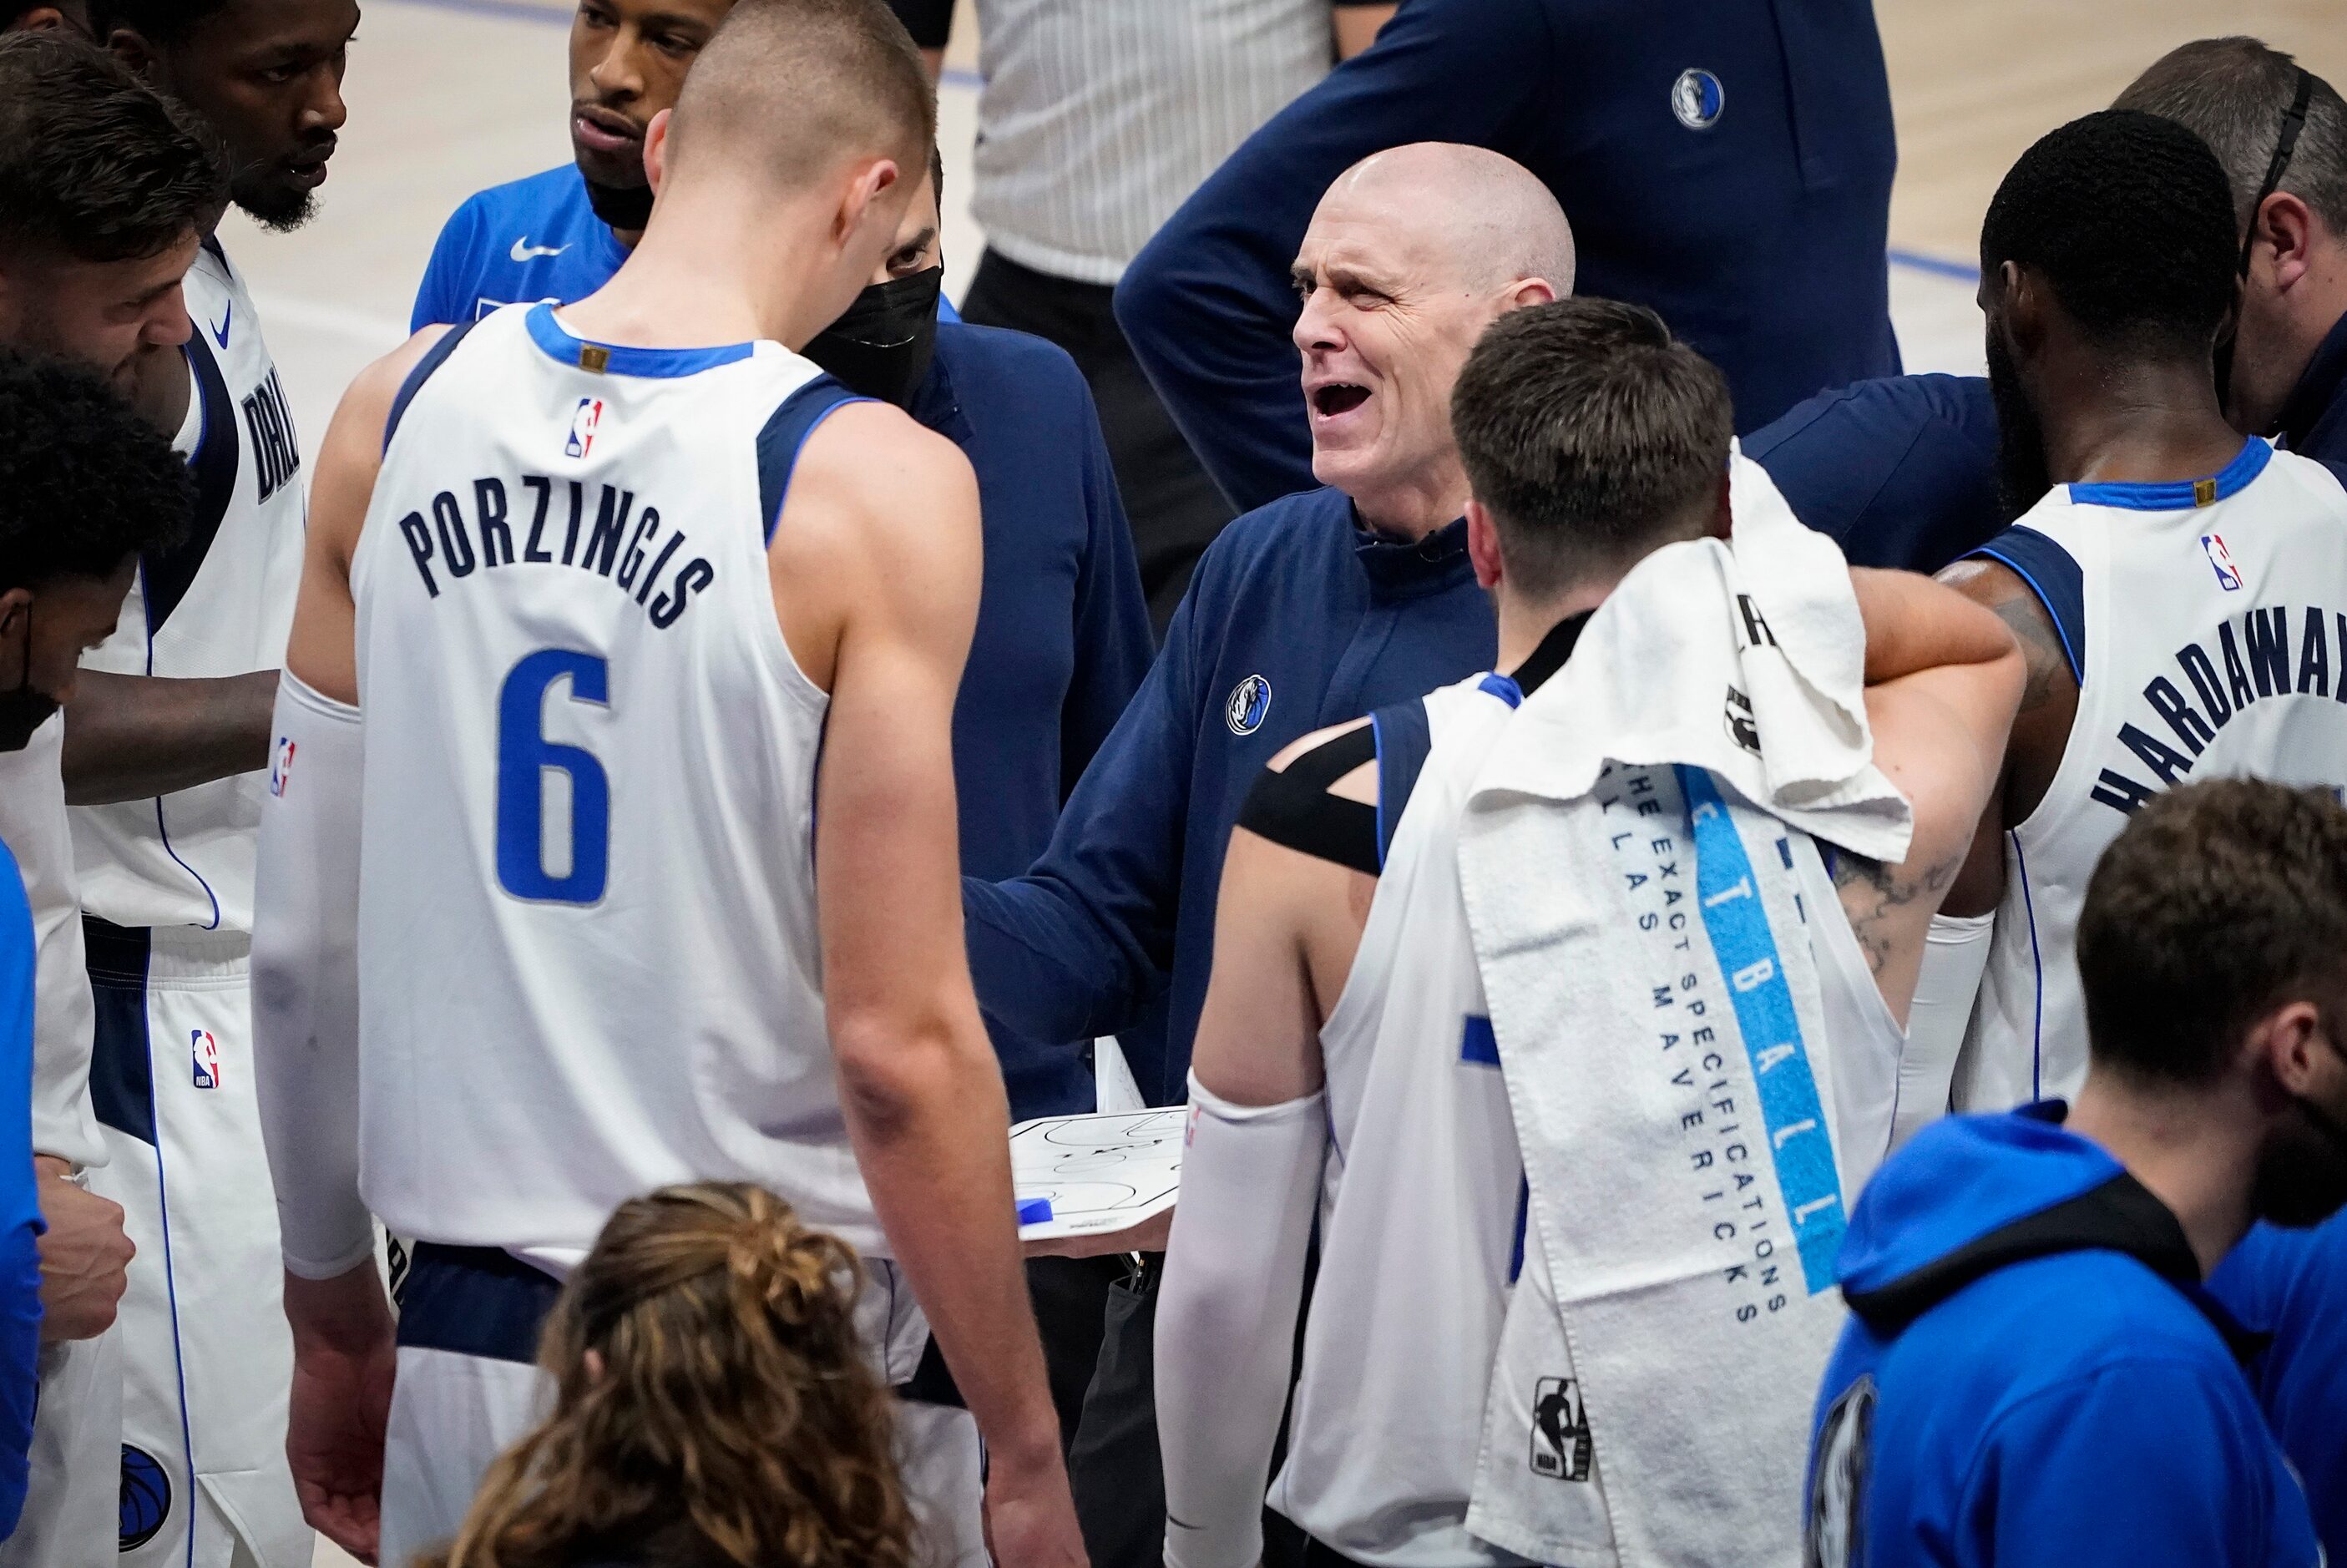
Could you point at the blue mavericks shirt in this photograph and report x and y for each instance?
(20, 1214)
(536, 239)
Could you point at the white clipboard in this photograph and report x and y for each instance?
(1076, 1175)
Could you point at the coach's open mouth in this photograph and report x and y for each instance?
(1338, 397)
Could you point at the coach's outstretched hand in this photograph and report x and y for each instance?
(344, 1358)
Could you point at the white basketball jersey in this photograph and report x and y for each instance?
(2207, 623)
(1422, 1224)
(218, 603)
(588, 962)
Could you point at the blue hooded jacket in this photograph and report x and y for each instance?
(2291, 1285)
(2032, 1375)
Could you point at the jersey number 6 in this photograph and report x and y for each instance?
(524, 757)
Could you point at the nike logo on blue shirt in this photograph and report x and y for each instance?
(220, 333)
(523, 250)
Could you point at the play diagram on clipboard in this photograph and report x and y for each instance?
(1080, 1174)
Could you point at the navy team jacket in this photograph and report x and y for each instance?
(1726, 162)
(1296, 620)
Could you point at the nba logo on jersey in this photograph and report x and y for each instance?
(583, 420)
(1562, 1443)
(281, 767)
(206, 1051)
(2228, 576)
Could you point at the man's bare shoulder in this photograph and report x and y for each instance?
(352, 453)
(372, 390)
(869, 474)
(1997, 587)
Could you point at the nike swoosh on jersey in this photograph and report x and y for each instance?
(523, 250)
(220, 333)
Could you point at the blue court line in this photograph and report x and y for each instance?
(522, 11)
(1938, 266)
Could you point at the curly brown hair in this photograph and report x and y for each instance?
(713, 1404)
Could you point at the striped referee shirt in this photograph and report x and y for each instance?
(1098, 117)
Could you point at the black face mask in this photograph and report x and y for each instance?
(627, 207)
(881, 345)
(23, 709)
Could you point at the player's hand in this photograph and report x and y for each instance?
(343, 1360)
(85, 1255)
(1149, 1236)
(1030, 1517)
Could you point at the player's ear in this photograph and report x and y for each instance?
(16, 644)
(2023, 309)
(1483, 545)
(656, 149)
(872, 179)
(131, 47)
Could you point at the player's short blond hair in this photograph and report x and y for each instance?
(801, 87)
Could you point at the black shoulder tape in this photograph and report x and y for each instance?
(1293, 809)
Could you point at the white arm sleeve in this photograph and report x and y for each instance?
(35, 825)
(1227, 1316)
(1954, 956)
(305, 982)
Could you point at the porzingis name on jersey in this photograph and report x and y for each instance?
(608, 534)
(2277, 651)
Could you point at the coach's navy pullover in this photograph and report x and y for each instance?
(1726, 162)
(1900, 470)
(1297, 619)
(1062, 636)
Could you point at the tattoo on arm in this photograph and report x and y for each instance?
(1872, 894)
(2041, 646)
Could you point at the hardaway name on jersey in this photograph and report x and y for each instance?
(586, 931)
(220, 603)
(2206, 621)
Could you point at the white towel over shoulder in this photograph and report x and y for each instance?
(1628, 861)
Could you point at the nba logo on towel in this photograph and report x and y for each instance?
(2228, 576)
(583, 420)
(1561, 1441)
(281, 767)
(206, 1051)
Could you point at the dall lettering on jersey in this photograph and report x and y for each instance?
(606, 532)
(276, 455)
(2281, 652)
